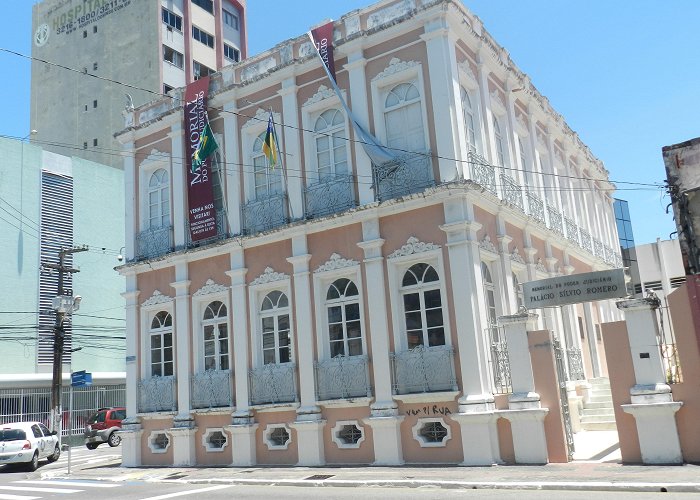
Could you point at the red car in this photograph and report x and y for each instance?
(102, 427)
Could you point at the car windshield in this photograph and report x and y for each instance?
(12, 435)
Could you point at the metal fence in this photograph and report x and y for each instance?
(34, 404)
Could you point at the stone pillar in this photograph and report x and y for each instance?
(242, 427)
(292, 151)
(592, 342)
(179, 203)
(476, 415)
(130, 202)
(233, 177)
(309, 423)
(652, 402)
(131, 441)
(524, 412)
(183, 423)
(131, 427)
(384, 419)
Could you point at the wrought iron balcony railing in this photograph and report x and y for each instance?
(575, 364)
(598, 249)
(329, 196)
(154, 242)
(211, 389)
(342, 377)
(221, 231)
(157, 394)
(264, 213)
(273, 383)
(586, 240)
(535, 206)
(423, 369)
(555, 220)
(512, 191)
(571, 230)
(409, 174)
(482, 172)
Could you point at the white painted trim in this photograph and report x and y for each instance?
(342, 444)
(207, 445)
(267, 433)
(154, 161)
(427, 397)
(426, 444)
(152, 438)
(209, 293)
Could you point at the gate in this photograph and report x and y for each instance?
(563, 397)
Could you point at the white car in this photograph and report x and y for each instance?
(27, 443)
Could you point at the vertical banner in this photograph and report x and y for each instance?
(200, 191)
(322, 37)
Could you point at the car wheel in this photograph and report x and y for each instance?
(91, 446)
(114, 439)
(34, 464)
(55, 455)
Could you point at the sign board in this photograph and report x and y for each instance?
(80, 379)
(575, 288)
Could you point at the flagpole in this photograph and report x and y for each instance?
(283, 167)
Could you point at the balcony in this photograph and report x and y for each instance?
(221, 231)
(273, 384)
(157, 394)
(512, 191)
(423, 369)
(342, 377)
(154, 242)
(407, 175)
(556, 223)
(571, 230)
(211, 389)
(535, 206)
(598, 248)
(575, 364)
(264, 213)
(329, 196)
(482, 172)
(586, 241)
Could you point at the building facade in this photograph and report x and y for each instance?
(151, 46)
(347, 312)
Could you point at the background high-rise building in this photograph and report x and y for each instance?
(81, 48)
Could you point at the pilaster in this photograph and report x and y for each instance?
(243, 444)
(234, 188)
(131, 441)
(130, 201)
(182, 336)
(132, 346)
(184, 445)
(179, 203)
(292, 148)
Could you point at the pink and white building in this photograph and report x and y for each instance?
(347, 312)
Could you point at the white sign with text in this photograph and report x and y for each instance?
(575, 288)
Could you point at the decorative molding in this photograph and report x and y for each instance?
(352, 25)
(396, 65)
(261, 117)
(516, 257)
(322, 93)
(306, 49)
(269, 276)
(541, 140)
(522, 121)
(390, 13)
(466, 69)
(336, 262)
(497, 101)
(540, 266)
(156, 156)
(210, 287)
(339, 427)
(157, 298)
(413, 246)
(487, 244)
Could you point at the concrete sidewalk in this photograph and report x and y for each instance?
(589, 476)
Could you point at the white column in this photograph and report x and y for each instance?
(487, 114)
(444, 94)
(179, 205)
(232, 168)
(243, 428)
(384, 419)
(505, 270)
(525, 413)
(358, 91)
(130, 202)
(292, 150)
(652, 402)
(184, 429)
(476, 415)
(591, 335)
(309, 424)
(131, 426)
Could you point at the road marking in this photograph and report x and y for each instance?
(70, 483)
(38, 490)
(188, 492)
(17, 497)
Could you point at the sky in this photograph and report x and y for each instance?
(625, 75)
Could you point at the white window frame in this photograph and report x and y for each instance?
(152, 439)
(256, 294)
(268, 432)
(499, 122)
(473, 96)
(154, 161)
(396, 268)
(201, 299)
(428, 444)
(250, 131)
(342, 444)
(207, 445)
(149, 309)
(395, 73)
(322, 279)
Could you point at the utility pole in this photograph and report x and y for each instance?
(63, 305)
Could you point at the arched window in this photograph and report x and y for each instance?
(274, 320)
(159, 199)
(527, 169)
(403, 119)
(489, 295)
(422, 305)
(517, 289)
(468, 115)
(500, 147)
(331, 153)
(215, 329)
(344, 328)
(268, 181)
(161, 345)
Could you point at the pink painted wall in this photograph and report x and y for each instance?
(148, 457)
(204, 422)
(336, 455)
(290, 456)
(412, 450)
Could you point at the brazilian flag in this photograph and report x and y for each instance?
(207, 145)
